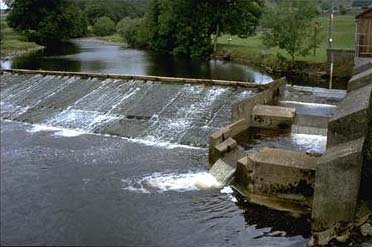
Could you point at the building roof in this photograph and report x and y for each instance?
(363, 13)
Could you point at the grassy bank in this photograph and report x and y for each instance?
(13, 43)
(253, 50)
(115, 38)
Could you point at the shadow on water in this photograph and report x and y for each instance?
(93, 56)
(279, 222)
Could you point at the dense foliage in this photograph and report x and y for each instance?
(45, 21)
(114, 9)
(289, 26)
(184, 27)
(104, 26)
(130, 30)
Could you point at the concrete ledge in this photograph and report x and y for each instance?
(281, 175)
(226, 146)
(272, 117)
(146, 78)
(360, 80)
(337, 185)
(362, 67)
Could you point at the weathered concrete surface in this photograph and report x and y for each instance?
(350, 121)
(243, 109)
(222, 171)
(217, 140)
(360, 80)
(337, 185)
(281, 175)
(272, 117)
(362, 67)
(313, 95)
(366, 183)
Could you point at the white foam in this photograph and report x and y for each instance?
(164, 182)
(65, 132)
(58, 130)
(229, 191)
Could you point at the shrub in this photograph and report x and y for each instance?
(104, 26)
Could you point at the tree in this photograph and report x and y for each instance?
(289, 26)
(104, 26)
(46, 21)
(130, 30)
(184, 27)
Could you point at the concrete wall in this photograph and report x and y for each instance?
(241, 115)
(340, 175)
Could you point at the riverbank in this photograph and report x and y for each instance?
(114, 39)
(14, 44)
(313, 67)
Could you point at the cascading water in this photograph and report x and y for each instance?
(148, 111)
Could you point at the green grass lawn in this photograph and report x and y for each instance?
(13, 43)
(252, 48)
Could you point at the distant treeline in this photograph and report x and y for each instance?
(45, 21)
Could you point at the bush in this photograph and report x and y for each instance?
(104, 26)
(131, 31)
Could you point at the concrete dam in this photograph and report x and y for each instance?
(146, 110)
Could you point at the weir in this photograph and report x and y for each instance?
(156, 109)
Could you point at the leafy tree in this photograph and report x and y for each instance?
(184, 27)
(289, 26)
(46, 21)
(130, 30)
(104, 26)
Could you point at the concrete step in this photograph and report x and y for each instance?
(272, 117)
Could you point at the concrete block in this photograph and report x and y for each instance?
(360, 80)
(222, 171)
(337, 185)
(214, 139)
(272, 117)
(350, 120)
(278, 174)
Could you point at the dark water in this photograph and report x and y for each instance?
(93, 56)
(63, 186)
(98, 190)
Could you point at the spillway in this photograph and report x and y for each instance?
(147, 110)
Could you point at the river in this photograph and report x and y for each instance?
(89, 55)
(64, 186)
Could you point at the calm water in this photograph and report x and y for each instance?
(93, 56)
